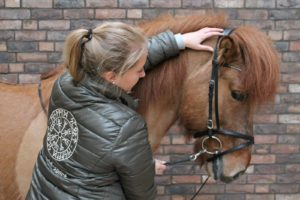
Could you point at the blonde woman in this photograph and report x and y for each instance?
(96, 146)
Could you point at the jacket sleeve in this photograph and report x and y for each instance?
(134, 162)
(160, 48)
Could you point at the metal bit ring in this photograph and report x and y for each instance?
(204, 145)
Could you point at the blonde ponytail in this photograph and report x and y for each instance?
(112, 46)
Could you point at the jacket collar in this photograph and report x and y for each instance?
(111, 91)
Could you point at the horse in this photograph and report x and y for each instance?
(176, 91)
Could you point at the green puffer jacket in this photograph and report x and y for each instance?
(96, 146)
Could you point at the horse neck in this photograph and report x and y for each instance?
(162, 113)
(159, 120)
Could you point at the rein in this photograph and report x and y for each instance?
(211, 133)
(42, 102)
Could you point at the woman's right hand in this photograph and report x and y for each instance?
(193, 40)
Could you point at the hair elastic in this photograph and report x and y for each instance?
(89, 34)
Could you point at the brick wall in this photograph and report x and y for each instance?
(31, 39)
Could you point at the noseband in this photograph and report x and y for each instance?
(211, 133)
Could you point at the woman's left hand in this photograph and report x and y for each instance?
(193, 40)
(160, 167)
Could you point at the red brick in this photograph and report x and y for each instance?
(261, 188)
(284, 148)
(54, 24)
(289, 118)
(30, 24)
(31, 57)
(16, 67)
(30, 35)
(283, 188)
(110, 13)
(263, 159)
(287, 4)
(212, 189)
(46, 46)
(10, 24)
(11, 14)
(287, 196)
(265, 139)
(177, 197)
(197, 4)
(3, 68)
(134, 3)
(294, 108)
(283, 88)
(12, 3)
(291, 35)
(179, 140)
(266, 118)
(229, 4)
(269, 169)
(186, 179)
(288, 24)
(102, 3)
(261, 149)
(293, 168)
(253, 14)
(261, 179)
(275, 35)
(165, 140)
(204, 197)
(134, 13)
(293, 128)
(160, 190)
(29, 78)
(260, 197)
(260, 4)
(79, 14)
(37, 4)
(9, 78)
(288, 178)
(163, 179)
(165, 3)
(295, 45)
(3, 46)
(234, 188)
(59, 46)
(178, 149)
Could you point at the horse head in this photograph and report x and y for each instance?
(247, 75)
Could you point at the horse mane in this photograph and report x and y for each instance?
(167, 78)
(260, 73)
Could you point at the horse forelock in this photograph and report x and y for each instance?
(167, 79)
(260, 74)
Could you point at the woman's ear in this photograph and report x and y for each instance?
(109, 76)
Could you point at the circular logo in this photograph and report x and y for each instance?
(62, 134)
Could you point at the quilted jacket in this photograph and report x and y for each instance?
(96, 146)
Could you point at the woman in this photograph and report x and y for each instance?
(96, 146)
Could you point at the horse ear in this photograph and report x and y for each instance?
(227, 48)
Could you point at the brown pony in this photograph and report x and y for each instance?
(175, 91)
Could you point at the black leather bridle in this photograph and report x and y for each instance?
(211, 133)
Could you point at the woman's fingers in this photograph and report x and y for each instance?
(194, 40)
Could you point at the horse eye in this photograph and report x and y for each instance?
(238, 95)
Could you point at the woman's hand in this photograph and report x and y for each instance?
(194, 40)
(160, 167)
